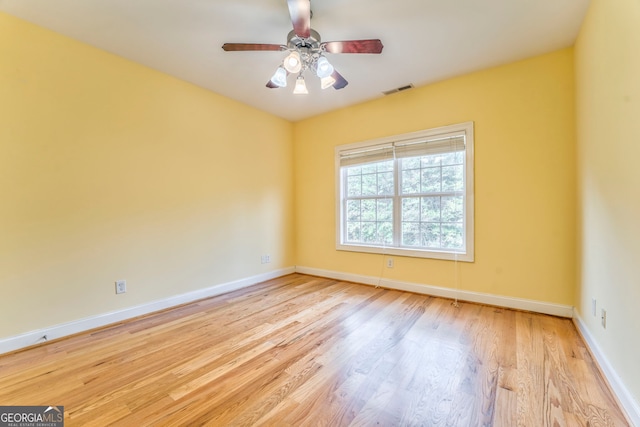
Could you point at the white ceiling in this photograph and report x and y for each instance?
(424, 40)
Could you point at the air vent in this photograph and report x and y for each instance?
(399, 89)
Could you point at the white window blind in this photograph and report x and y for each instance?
(400, 149)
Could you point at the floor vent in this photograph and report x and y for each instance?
(399, 89)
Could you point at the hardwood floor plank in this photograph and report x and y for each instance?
(304, 350)
(506, 408)
(530, 357)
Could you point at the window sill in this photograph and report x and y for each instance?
(413, 253)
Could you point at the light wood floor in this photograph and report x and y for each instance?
(303, 350)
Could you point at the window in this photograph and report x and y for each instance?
(409, 195)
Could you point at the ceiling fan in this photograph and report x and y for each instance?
(306, 51)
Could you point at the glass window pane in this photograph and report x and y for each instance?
(410, 181)
(385, 183)
(410, 163)
(385, 210)
(355, 170)
(353, 210)
(411, 209)
(430, 235)
(354, 186)
(385, 232)
(386, 166)
(353, 231)
(369, 185)
(450, 158)
(452, 178)
(369, 168)
(369, 232)
(452, 236)
(430, 209)
(410, 234)
(452, 209)
(431, 180)
(430, 160)
(368, 210)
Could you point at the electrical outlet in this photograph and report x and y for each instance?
(603, 318)
(265, 259)
(389, 262)
(121, 286)
(593, 307)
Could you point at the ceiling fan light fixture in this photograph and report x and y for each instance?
(301, 86)
(327, 82)
(280, 77)
(293, 63)
(323, 67)
(305, 50)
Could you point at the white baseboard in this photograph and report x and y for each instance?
(482, 298)
(58, 331)
(625, 398)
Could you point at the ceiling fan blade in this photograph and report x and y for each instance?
(353, 46)
(239, 47)
(340, 81)
(300, 11)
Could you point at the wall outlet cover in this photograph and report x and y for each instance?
(121, 286)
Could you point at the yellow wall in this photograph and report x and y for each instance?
(608, 132)
(524, 177)
(110, 170)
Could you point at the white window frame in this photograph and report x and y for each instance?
(388, 143)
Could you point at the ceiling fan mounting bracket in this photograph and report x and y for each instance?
(312, 42)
